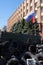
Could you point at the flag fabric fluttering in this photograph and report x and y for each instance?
(30, 17)
(33, 20)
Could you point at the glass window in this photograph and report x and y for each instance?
(41, 18)
(36, 4)
(41, 1)
(27, 11)
(31, 8)
(35, 12)
(23, 14)
(27, 4)
(42, 28)
(24, 7)
(41, 9)
(30, 1)
(21, 9)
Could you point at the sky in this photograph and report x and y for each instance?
(7, 8)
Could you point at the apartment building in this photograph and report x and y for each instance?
(26, 7)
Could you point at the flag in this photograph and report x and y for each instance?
(30, 17)
(33, 19)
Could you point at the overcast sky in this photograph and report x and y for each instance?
(7, 7)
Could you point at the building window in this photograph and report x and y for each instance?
(36, 4)
(30, 1)
(21, 9)
(27, 11)
(24, 7)
(41, 9)
(23, 14)
(31, 8)
(27, 4)
(41, 18)
(42, 28)
(41, 1)
(35, 12)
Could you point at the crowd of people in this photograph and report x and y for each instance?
(16, 53)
